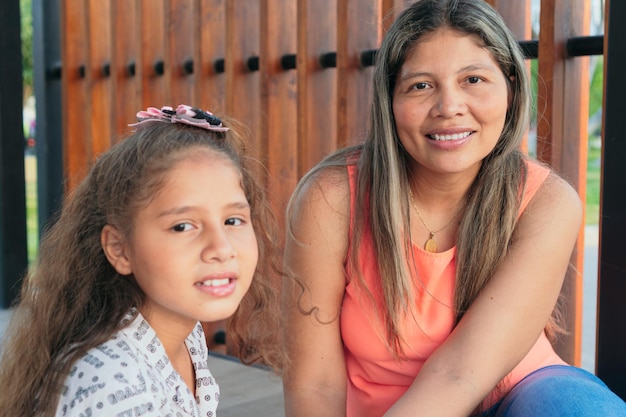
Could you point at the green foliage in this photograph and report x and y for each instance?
(534, 73)
(27, 44)
(596, 87)
(592, 205)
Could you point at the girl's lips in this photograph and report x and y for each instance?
(218, 287)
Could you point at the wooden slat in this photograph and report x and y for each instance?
(358, 29)
(182, 35)
(209, 83)
(126, 90)
(390, 10)
(317, 86)
(562, 135)
(100, 88)
(154, 46)
(76, 103)
(278, 127)
(243, 85)
(516, 14)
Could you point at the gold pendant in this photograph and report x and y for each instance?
(431, 245)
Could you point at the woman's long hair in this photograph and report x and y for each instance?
(73, 300)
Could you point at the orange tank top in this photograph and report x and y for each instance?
(375, 379)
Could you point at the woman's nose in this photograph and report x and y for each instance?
(449, 102)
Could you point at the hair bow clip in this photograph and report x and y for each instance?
(192, 116)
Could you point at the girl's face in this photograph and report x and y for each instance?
(449, 103)
(193, 250)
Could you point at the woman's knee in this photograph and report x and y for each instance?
(561, 391)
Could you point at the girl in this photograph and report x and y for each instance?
(444, 247)
(169, 228)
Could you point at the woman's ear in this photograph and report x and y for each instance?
(511, 89)
(114, 247)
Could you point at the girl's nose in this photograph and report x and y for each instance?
(218, 247)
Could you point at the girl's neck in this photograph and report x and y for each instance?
(172, 333)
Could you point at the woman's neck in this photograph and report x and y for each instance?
(436, 194)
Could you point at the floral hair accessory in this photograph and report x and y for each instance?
(188, 115)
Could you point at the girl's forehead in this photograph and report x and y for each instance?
(205, 155)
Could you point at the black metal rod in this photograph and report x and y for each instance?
(585, 45)
(288, 62)
(218, 65)
(610, 341)
(188, 66)
(328, 60)
(576, 46)
(253, 63)
(130, 68)
(368, 57)
(54, 71)
(159, 67)
(530, 49)
(106, 69)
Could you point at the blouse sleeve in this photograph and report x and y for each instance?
(105, 384)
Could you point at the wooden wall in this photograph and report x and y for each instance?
(292, 71)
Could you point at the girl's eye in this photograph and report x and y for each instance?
(233, 221)
(473, 80)
(182, 227)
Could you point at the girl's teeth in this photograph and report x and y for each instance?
(216, 282)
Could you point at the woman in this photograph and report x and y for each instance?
(435, 296)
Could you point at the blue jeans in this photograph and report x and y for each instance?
(559, 390)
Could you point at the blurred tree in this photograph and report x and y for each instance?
(27, 45)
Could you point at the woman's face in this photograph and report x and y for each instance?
(449, 103)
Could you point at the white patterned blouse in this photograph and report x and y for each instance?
(131, 375)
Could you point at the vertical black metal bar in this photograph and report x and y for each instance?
(611, 349)
(13, 249)
(47, 74)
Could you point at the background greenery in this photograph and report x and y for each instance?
(27, 45)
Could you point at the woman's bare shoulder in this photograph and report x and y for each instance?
(323, 192)
(555, 202)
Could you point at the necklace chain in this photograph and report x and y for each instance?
(430, 245)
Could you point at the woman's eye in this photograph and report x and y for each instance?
(420, 86)
(233, 221)
(473, 80)
(182, 227)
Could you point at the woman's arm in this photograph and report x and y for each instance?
(507, 317)
(314, 380)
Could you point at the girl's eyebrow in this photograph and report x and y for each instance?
(175, 211)
(241, 205)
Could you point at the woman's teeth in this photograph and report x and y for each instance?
(456, 136)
